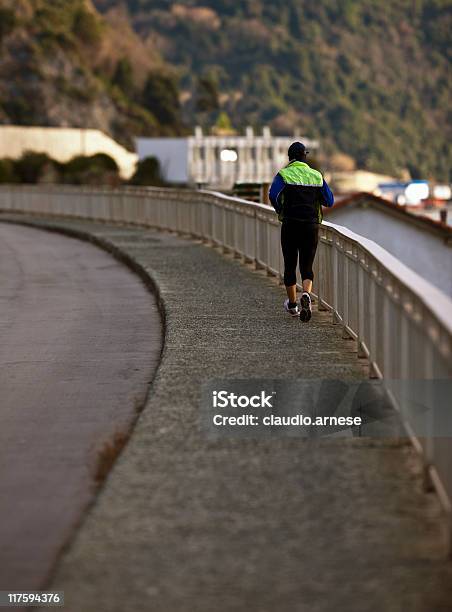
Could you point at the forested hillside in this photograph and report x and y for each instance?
(370, 78)
(62, 64)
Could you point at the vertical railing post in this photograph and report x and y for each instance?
(335, 279)
(372, 323)
(346, 288)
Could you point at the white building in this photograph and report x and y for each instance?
(419, 242)
(62, 143)
(220, 161)
(357, 180)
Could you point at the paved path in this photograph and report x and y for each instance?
(80, 339)
(187, 524)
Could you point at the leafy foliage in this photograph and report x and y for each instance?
(223, 123)
(7, 171)
(370, 78)
(123, 76)
(92, 170)
(33, 167)
(87, 27)
(161, 98)
(7, 22)
(97, 169)
(147, 173)
(206, 95)
(30, 167)
(62, 63)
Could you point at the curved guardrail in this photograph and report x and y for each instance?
(402, 323)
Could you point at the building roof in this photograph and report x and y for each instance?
(361, 199)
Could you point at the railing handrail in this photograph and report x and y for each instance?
(439, 304)
(433, 299)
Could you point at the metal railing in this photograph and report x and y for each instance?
(402, 323)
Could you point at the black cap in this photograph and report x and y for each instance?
(297, 151)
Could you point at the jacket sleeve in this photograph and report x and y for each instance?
(327, 195)
(275, 193)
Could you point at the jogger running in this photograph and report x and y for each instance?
(298, 193)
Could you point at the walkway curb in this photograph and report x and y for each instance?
(42, 222)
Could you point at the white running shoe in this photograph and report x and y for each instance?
(306, 307)
(294, 312)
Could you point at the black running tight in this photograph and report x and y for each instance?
(299, 245)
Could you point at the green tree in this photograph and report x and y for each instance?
(223, 122)
(123, 76)
(95, 169)
(147, 173)
(7, 22)
(30, 167)
(207, 99)
(86, 27)
(161, 98)
(7, 171)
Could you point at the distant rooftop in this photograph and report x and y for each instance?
(361, 198)
(421, 243)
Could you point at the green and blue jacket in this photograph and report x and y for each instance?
(299, 192)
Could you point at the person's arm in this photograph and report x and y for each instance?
(327, 195)
(275, 193)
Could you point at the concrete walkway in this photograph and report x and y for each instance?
(187, 524)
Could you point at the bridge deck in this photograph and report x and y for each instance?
(185, 523)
